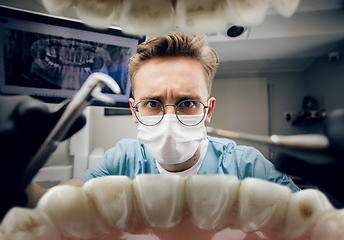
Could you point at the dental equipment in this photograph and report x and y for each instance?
(303, 141)
(311, 147)
(72, 108)
(316, 158)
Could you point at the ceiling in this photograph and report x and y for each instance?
(278, 44)
(284, 44)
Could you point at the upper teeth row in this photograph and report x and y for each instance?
(152, 17)
(114, 204)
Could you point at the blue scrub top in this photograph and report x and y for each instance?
(130, 157)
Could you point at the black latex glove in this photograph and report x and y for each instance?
(24, 124)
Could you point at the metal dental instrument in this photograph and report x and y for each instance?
(303, 141)
(72, 109)
(310, 147)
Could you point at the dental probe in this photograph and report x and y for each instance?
(298, 142)
(72, 109)
(311, 148)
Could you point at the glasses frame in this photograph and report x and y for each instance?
(175, 111)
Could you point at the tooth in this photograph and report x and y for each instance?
(285, 7)
(207, 211)
(201, 16)
(160, 199)
(28, 224)
(262, 205)
(84, 56)
(69, 56)
(147, 17)
(57, 6)
(68, 207)
(246, 12)
(73, 57)
(112, 198)
(47, 52)
(63, 54)
(151, 17)
(77, 57)
(213, 202)
(304, 209)
(53, 52)
(330, 226)
(99, 13)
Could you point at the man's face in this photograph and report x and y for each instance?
(171, 80)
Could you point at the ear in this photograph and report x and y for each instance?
(131, 103)
(211, 107)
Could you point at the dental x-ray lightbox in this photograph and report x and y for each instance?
(49, 57)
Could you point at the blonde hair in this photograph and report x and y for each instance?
(175, 44)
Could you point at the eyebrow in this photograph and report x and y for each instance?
(181, 96)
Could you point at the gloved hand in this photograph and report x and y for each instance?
(24, 124)
(327, 176)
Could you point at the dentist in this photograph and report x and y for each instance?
(171, 79)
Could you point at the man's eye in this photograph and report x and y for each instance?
(187, 104)
(152, 104)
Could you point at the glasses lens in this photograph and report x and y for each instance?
(149, 112)
(190, 112)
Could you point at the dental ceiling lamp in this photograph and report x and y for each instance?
(233, 31)
(157, 17)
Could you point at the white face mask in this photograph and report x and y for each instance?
(171, 142)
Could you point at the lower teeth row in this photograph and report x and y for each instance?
(116, 205)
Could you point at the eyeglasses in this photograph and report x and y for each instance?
(150, 112)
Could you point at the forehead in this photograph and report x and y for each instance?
(170, 77)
